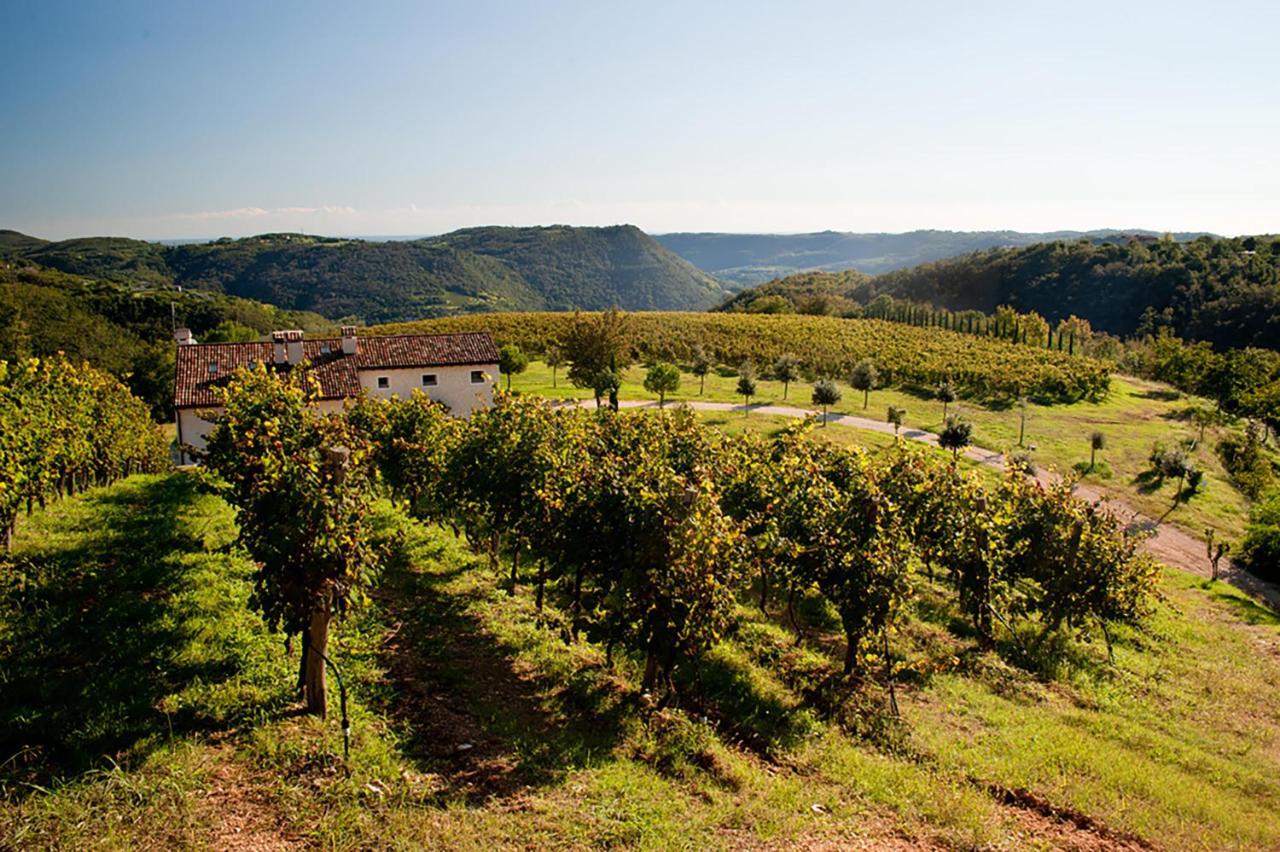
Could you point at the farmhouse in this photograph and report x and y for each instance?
(456, 369)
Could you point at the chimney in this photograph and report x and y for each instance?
(348, 340)
(184, 337)
(293, 345)
(277, 347)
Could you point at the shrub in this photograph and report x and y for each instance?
(1261, 551)
(1247, 462)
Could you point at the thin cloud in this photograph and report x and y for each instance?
(261, 212)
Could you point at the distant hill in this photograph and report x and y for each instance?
(824, 293)
(594, 268)
(741, 260)
(1225, 291)
(478, 269)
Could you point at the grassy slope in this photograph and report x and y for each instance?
(1179, 742)
(1133, 417)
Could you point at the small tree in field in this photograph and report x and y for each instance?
(1023, 406)
(596, 343)
(1097, 441)
(606, 383)
(786, 370)
(1215, 554)
(866, 378)
(955, 436)
(895, 417)
(700, 367)
(826, 393)
(747, 385)
(512, 361)
(300, 485)
(947, 393)
(662, 379)
(555, 360)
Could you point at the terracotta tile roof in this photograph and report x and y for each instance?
(426, 350)
(202, 367)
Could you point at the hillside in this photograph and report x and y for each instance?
(475, 270)
(125, 331)
(1225, 291)
(594, 268)
(803, 292)
(476, 726)
(742, 260)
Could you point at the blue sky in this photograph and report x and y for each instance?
(175, 119)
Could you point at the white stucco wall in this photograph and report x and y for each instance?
(453, 386)
(195, 431)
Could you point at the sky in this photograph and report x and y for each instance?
(204, 119)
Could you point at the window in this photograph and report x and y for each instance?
(213, 367)
(477, 377)
(325, 349)
(384, 382)
(429, 380)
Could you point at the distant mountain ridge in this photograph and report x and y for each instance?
(743, 260)
(473, 270)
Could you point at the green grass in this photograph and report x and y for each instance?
(1134, 416)
(149, 707)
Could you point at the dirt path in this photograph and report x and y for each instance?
(243, 816)
(1167, 543)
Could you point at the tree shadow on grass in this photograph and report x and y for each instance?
(472, 709)
(94, 629)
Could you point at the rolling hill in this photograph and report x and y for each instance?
(124, 330)
(1225, 291)
(741, 260)
(473, 270)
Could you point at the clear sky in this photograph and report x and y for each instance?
(202, 119)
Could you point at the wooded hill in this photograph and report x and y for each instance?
(1225, 291)
(472, 270)
(127, 332)
(742, 260)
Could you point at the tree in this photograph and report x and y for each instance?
(826, 393)
(747, 385)
(595, 343)
(662, 379)
(895, 417)
(955, 436)
(606, 383)
(554, 358)
(1023, 405)
(230, 331)
(299, 481)
(701, 366)
(786, 370)
(1215, 554)
(512, 361)
(1097, 441)
(947, 393)
(866, 378)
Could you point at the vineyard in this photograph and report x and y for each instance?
(906, 356)
(64, 428)
(578, 628)
(643, 532)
